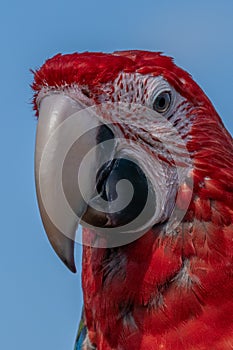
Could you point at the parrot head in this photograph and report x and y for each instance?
(140, 82)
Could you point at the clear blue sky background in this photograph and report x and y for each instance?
(40, 300)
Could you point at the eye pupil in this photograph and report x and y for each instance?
(162, 102)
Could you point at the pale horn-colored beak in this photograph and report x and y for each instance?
(57, 157)
(85, 175)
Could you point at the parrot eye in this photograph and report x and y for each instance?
(162, 102)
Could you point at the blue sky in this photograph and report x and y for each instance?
(40, 300)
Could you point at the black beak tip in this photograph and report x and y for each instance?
(71, 265)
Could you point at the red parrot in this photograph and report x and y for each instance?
(164, 281)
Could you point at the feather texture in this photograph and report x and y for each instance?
(163, 291)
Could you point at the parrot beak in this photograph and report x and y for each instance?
(53, 111)
(57, 158)
(84, 174)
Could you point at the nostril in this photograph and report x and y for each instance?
(86, 92)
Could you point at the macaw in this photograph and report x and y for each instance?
(156, 272)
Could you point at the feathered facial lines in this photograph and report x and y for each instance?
(153, 92)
